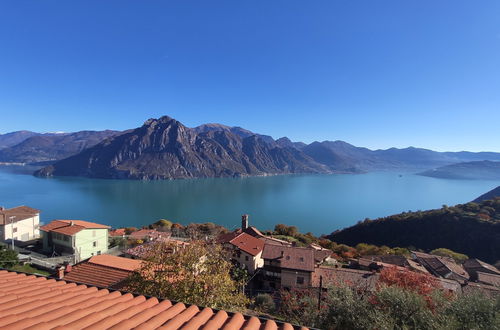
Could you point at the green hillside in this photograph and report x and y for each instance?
(472, 229)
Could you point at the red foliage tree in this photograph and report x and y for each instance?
(422, 284)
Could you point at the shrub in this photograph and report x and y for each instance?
(474, 311)
(264, 302)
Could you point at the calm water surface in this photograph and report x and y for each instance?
(316, 203)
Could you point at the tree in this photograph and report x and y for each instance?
(196, 273)
(8, 258)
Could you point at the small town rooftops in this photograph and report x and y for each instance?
(71, 227)
(28, 301)
(18, 213)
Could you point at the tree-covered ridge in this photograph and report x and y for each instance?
(472, 229)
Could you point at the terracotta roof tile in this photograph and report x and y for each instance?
(19, 212)
(51, 304)
(71, 227)
(115, 262)
(247, 243)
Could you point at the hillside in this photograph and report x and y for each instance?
(13, 138)
(476, 170)
(492, 194)
(165, 149)
(472, 229)
(45, 148)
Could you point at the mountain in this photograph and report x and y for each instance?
(166, 149)
(213, 150)
(477, 170)
(241, 132)
(13, 138)
(51, 147)
(472, 229)
(492, 194)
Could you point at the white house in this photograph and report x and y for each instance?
(20, 223)
(83, 239)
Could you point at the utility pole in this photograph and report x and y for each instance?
(12, 230)
(319, 292)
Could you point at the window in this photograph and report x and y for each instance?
(14, 230)
(300, 280)
(94, 244)
(66, 238)
(246, 258)
(98, 252)
(302, 259)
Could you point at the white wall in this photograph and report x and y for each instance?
(24, 230)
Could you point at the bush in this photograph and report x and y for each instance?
(8, 258)
(474, 311)
(265, 303)
(458, 257)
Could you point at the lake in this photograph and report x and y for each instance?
(316, 203)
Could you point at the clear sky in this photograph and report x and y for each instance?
(422, 73)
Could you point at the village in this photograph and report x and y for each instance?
(94, 254)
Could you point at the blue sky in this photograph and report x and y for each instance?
(378, 74)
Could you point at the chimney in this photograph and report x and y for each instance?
(282, 254)
(60, 272)
(71, 223)
(244, 222)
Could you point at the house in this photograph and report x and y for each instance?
(142, 251)
(83, 239)
(287, 267)
(245, 250)
(39, 302)
(102, 270)
(325, 277)
(20, 223)
(475, 266)
(443, 267)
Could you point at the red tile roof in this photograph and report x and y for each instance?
(117, 232)
(248, 244)
(98, 275)
(28, 301)
(115, 262)
(71, 227)
(19, 212)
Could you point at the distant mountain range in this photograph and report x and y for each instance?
(166, 149)
(478, 170)
(39, 148)
(13, 138)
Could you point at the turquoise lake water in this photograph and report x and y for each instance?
(316, 203)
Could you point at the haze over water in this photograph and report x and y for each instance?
(316, 203)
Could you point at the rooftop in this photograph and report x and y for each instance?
(71, 227)
(19, 212)
(248, 244)
(42, 303)
(291, 257)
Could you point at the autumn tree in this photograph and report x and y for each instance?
(195, 273)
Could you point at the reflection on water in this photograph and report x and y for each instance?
(316, 203)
